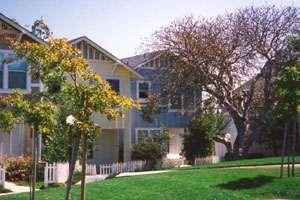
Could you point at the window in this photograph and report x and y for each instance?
(114, 84)
(97, 55)
(4, 26)
(13, 75)
(142, 133)
(184, 101)
(175, 101)
(143, 89)
(85, 50)
(91, 53)
(1, 69)
(78, 45)
(17, 74)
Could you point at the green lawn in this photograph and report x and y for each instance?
(214, 181)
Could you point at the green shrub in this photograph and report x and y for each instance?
(198, 139)
(151, 149)
(18, 168)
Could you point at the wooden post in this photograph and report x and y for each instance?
(46, 176)
(293, 148)
(283, 148)
(84, 158)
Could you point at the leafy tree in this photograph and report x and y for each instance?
(152, 149)
(218, 55)
(59, 64)
(288, 105)
(40, 114)
(41, 29)
(198, 139)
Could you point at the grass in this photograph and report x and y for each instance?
(213, 181)
(27, 184)
(4, 190)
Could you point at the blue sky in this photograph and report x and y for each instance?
(119, 26)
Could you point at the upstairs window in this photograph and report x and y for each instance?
(1, 69)
(143, 89)
(182, 102)
(114, 84)
(17, 74)
(85, 50)
(90, 52)
(13, 75)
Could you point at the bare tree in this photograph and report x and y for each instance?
(224, 58)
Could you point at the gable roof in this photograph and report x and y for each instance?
(105, 52)
(21, 29)
(139, 60)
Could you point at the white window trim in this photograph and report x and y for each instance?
(170, 109)
(102, 58)
(145, 129)
(142, 100)
(5, 88)
(115, 78)
(182, 109)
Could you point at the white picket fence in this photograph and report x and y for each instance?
(116, 168)
(2, 175)
(170, 163)
(206, 160)
(91, 169)
(58, 172)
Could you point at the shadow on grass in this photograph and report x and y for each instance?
(247, 183)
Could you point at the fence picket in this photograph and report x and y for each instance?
(2, 175)
(55, 173)
(205, 160)
(116, 168)
(91, 169)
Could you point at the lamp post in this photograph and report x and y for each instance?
(70, 120)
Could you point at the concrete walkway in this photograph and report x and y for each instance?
(19, 189)
(15, 188)
(93, 178)
(126, 174)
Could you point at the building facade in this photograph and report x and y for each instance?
(15, 76)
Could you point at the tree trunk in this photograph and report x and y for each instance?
(227, 142)
(283, 148)
(293, 147)
(75, 148)
(242, 126)
(32, 195)
(84, 158)
(256, 133)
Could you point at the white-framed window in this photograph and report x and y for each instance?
(1, 69)
(185, 101)
(90, 52)
(13, 75)
(158, 62)
(142, 133)
(115, 84)
(143, 89)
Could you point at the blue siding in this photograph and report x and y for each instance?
(165, 119)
